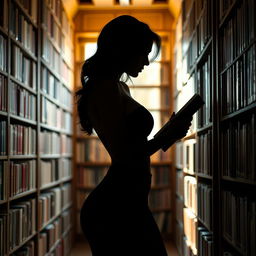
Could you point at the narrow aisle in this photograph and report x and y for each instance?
(83, 249)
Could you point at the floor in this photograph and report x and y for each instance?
(82, 249)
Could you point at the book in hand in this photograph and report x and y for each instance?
(189, 109)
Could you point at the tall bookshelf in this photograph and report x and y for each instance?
(215, 163)
(36, 82)
(152, 88)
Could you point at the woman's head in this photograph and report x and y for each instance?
(122, 47)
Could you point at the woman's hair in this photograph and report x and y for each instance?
(119, 40)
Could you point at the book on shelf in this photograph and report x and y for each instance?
(3, 93)
(3, 232)
(22, 103)
(193, 105)
(23, 140)
(3, 183)
(22, 221)
(205, 242)
(239, 218)
(3, 51)
(3, 137)
(3, 15)
(190, 193)
(27, 249)
(189, 156)
(49, 142)
(238, 140)
(22, 176)
(204, 194)
(179, 204)
(179, 183)
(160, 199)
(160, 175)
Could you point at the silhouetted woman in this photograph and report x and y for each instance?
(115, 217)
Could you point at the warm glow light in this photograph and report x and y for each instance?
(124, 2)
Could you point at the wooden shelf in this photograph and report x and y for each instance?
(23, 120)
(23, 194)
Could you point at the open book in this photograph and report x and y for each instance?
(189, 109)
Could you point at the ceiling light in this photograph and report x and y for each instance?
(124, 2)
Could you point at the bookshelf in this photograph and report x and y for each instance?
(215, 163)
(36, 83)
(152, 89)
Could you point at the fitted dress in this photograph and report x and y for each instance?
(115, 218)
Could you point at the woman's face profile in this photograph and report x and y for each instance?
(136, 62)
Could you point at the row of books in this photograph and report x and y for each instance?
(238, 87)
(66, 144)
(3, 185)
(91, 150)
(160, 199)
(49, 237)
(27, 250)
(204, 194)
(179, 235)
(49, 142)
(51, 26)
(189, 25)
(238, 142)
(53, 87)
(66, 68)
(192, 52)
(30, 6)
(3, 15)
(3, 233)
(22, 216)
(90, 177)
(23, 140)
(203, 151)
(3, 93)
(22, 176)
(205, 90)
(54, 170)
(224, 7)
(205, 242)
(238, 33)
(21, 29)
(3, 137)
(49, 54)
(190, 193)
(163, 221)
(50, 205)
(3, 51)
(54, 116)
(56, 7)
(66, 195)
(239, 218)
(22, 102)
(160, 175)
(188, 156)
(190, 231)
(23, 68)
(204, 25)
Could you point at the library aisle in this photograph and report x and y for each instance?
(83, 249)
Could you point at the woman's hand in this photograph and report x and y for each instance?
(180, 126)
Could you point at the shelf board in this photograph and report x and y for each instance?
(203, 223)
(2, 72)
(23, 119)
(26, 51)
(228, 14)
(22, 156)
(3, 201)
(237, 57)
(3, 158)
(238, 250)
(26, 14)
(23, 194)
(22, 243)
(239, 180)
(239, 112)
(4, 31)
(2, 113)
(100, 164)
(204, 128)
(50, 185)
(205, 176)
(50, 156)
(31, 90)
